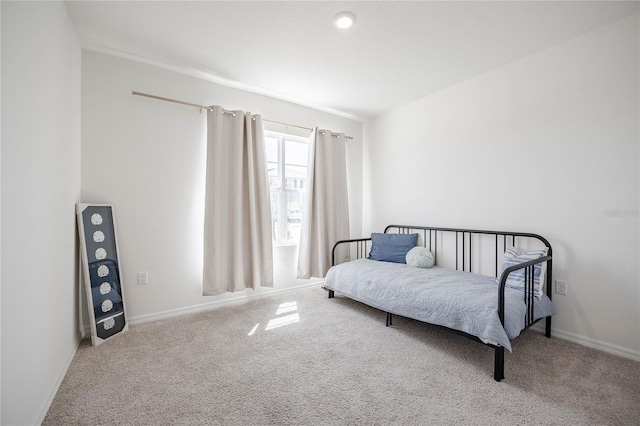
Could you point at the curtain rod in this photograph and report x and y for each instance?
(201, 107)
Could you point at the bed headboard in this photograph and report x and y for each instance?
(470, 250)
(466, 240)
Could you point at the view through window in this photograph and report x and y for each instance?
(287, 160)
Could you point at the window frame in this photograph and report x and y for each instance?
(279, 234)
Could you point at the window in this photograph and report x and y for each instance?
(287, 159)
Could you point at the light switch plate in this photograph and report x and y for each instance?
(561, 287)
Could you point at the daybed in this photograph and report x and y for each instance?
(456, 292)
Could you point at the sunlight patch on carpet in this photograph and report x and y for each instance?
(281, 321)
(287, 307)
(253, 330)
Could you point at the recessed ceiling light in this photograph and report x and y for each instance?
(344, 20)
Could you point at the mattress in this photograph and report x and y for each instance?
(458, 300)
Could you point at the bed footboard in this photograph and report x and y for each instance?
(529, 294)
(498, 370)
(359, 249)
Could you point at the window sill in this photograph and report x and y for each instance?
(285, 245)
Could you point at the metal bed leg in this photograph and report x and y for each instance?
(389, 319)
(547, 328)
(498, 369)
(331, 294)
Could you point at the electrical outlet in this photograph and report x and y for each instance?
(143, 278)
(561, 287)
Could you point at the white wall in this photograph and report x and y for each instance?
(40, 185)
(0, 220)
(548, 144)
(147, 158)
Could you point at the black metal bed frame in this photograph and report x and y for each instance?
(464, 262)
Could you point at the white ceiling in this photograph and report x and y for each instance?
(396, 52)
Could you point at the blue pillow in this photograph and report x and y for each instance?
(392, 247)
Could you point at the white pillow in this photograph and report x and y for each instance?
(420, 257)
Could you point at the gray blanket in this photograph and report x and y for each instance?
(459, 300)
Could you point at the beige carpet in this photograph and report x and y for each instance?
(317, 361)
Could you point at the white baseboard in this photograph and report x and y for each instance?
(596, 344)
(54, 390)
(215, 304)
(590, 343)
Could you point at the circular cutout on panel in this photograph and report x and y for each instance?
(96, 219)
(107, 305)
(98, 236)
(105, 288)
(103, 271)
(101, 253)
(109, 323)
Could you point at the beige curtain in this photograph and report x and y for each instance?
(326, 215)
(237, 219)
